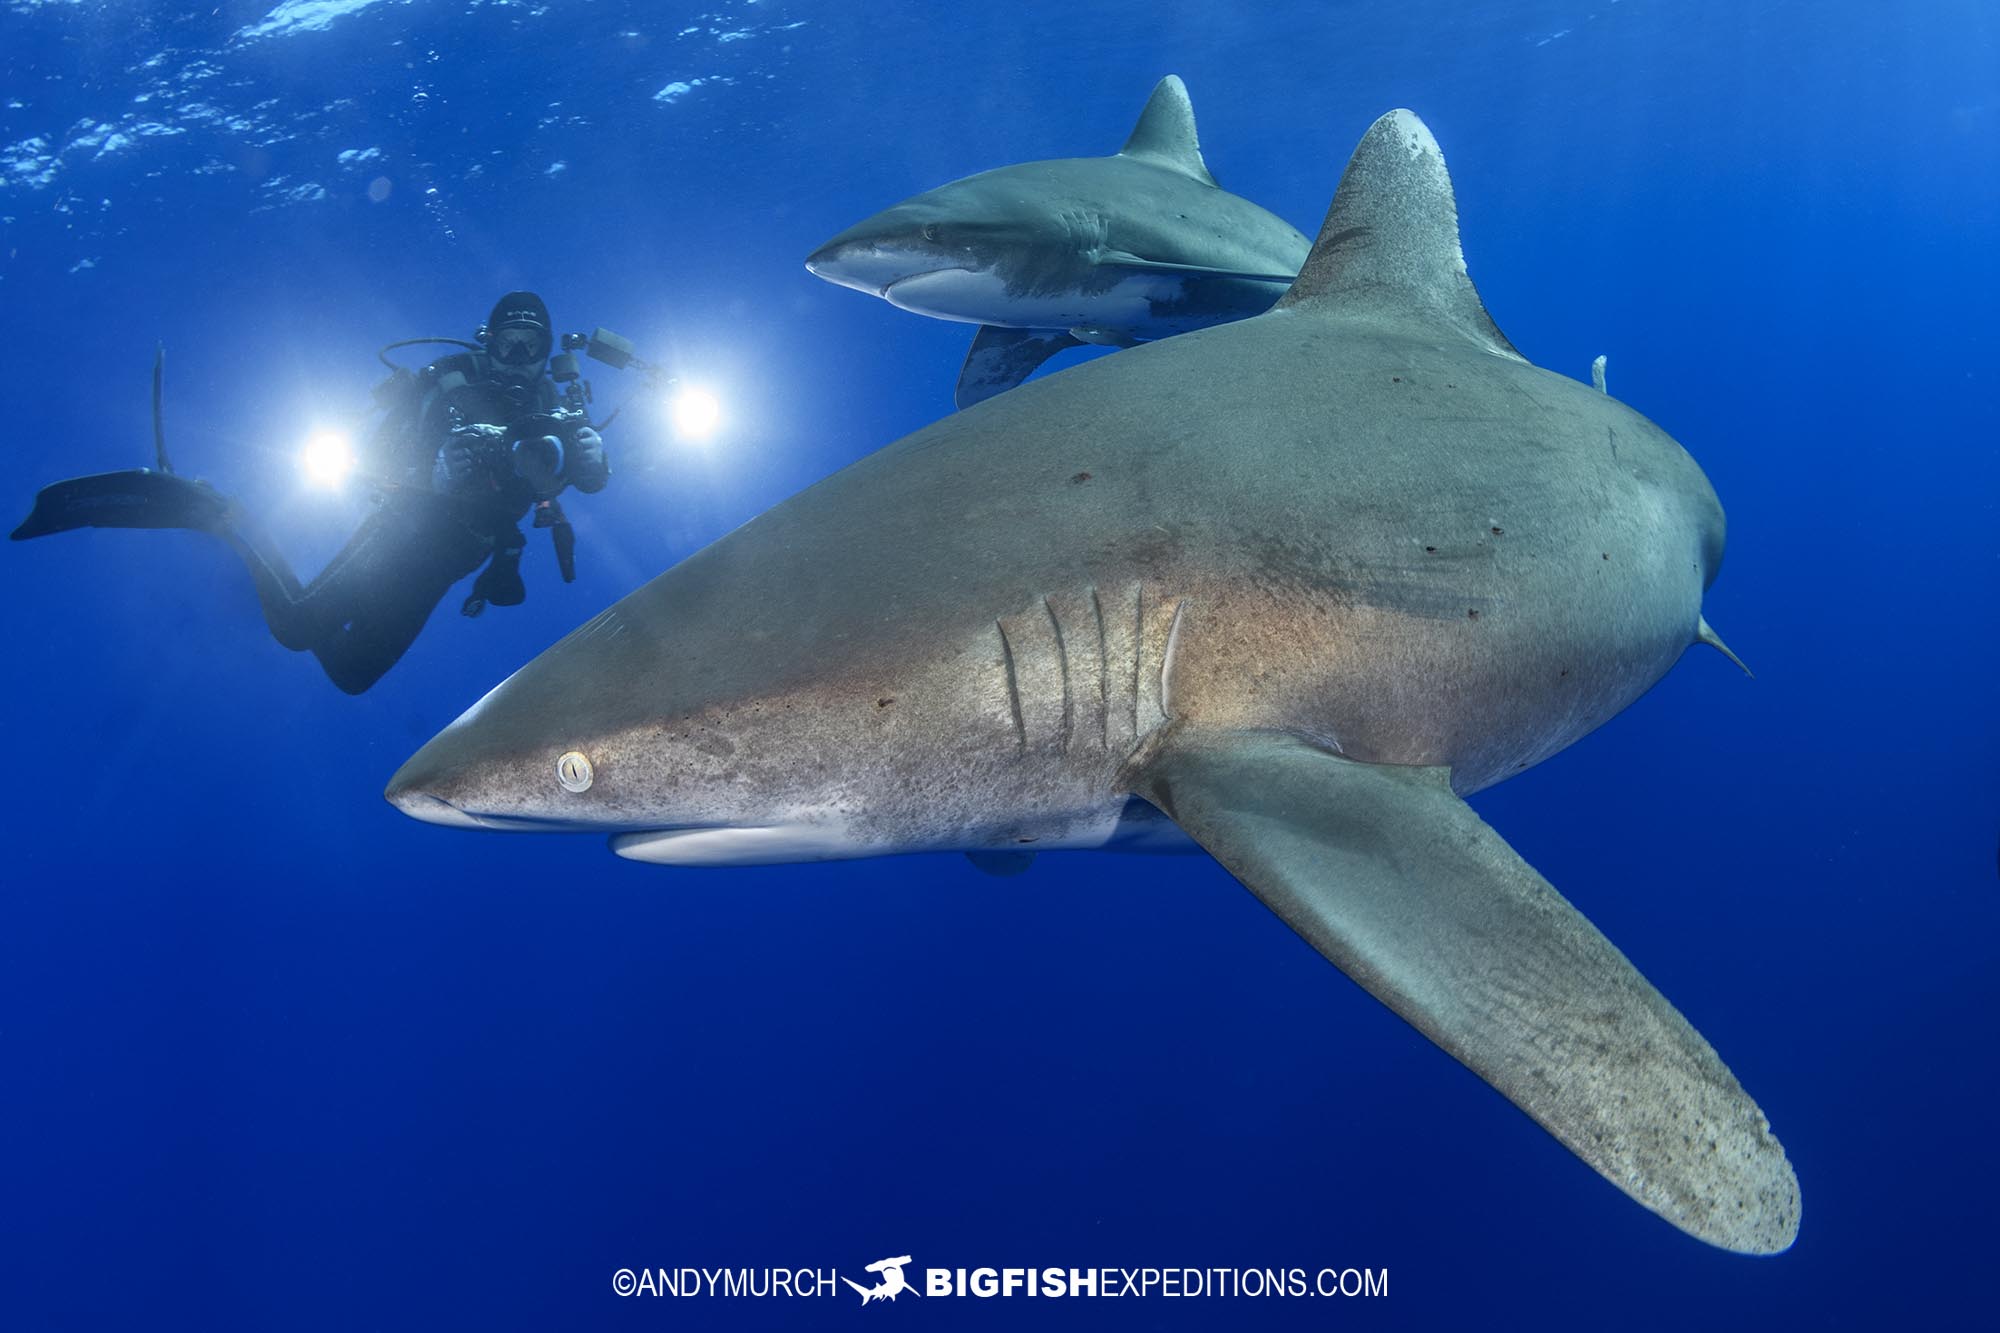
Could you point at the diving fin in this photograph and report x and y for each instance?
(1400, 885)
(136, 498)
(1001, 358)
(499, 584)
(159, 425)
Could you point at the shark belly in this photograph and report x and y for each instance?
(1128, 303)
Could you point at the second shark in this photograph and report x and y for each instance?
(1047, 256)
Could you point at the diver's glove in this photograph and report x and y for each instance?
(538, 460)
(464, 455)
(589, 469)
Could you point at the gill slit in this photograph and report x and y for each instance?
(1013, 690)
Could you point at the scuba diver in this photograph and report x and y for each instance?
(469, 445)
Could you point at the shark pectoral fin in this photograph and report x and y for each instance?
(1165, 135)
(1001, 358)
(1401, 886)
(1139, 264)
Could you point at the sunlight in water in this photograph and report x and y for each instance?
(696, 413)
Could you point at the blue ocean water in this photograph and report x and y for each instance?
(274, 1056)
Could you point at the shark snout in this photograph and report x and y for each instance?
(878, 252)
(866, 265)
(416, 790)
(432, 790)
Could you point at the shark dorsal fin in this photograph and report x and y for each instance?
(1389, 249)
(1165, 134)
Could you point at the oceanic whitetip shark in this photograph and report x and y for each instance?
(1051, 255)
(1297, 584)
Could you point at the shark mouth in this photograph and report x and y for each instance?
(908, 278)
(740, 845)
(437, 810)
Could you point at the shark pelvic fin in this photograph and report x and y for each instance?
(1705, 633)
(1400, 885)
(1165, 134)
(1388, 251)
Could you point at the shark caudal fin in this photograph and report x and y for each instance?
(1400, 885)
(1165, 134)
(1388, 252)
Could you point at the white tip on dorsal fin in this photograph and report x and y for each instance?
(1388, 250)
(1165, 133)
(1597, 375)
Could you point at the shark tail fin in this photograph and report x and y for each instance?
(1388, 251)
(1165, 134)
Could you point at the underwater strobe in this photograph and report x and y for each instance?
(695, 411)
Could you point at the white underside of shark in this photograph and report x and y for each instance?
(1115, 316)
(826, 835)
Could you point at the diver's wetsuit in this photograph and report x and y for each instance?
(363, 611)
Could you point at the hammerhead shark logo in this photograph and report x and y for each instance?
(892, 1285)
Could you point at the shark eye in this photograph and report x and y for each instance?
(931, 232)
(574, 772)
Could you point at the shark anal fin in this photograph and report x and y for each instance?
(1400, 885)
(1165, 134)
(1389, 252)
(1000, 358)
